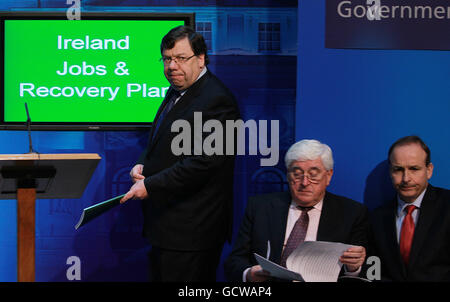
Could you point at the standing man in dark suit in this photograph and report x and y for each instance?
(411, 235)
(186, 198)
(270, 220)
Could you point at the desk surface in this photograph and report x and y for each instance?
(58, 156)
(73, 173)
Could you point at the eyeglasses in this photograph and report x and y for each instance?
(314, 176)
(177, 60)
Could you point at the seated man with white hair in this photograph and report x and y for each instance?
(306, 213)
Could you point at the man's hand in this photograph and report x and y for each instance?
(257, 274)
(353, 258)
(136, 173)
(137, 191)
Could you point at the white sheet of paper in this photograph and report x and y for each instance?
(317, 261)
(276, 270)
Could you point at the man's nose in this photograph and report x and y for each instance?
(305, 181)
(172, 64)
(406, 176)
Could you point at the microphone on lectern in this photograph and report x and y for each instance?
(29, 130)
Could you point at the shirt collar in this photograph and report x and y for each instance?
(401, 205)
(317, 206)
(202, 73)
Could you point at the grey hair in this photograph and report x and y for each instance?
(309, 149)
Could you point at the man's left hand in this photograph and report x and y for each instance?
(353, 258)
(137, 191)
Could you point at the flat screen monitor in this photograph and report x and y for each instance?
(99, 73)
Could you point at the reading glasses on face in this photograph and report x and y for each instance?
(313, 176)
(177, 60)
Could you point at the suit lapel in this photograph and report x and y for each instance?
(328, 218)
(160, 109)
(388, 217)
(278, 213)
(427, 214)
(182, 105)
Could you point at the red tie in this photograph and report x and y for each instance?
(407, 233)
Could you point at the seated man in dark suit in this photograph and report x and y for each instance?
(308, 210)
(411, 235)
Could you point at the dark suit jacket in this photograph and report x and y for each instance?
(342, 220)
(190, 196)
(430, 251)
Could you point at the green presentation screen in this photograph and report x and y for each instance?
(102, 71)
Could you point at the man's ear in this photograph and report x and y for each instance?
(329, 176)
(430, 168)
(201, 60)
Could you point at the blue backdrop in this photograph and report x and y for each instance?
(361, 101)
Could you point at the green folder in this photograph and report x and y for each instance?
(98, 209)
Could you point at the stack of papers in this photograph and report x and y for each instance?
(311, 261)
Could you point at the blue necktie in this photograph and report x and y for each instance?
(167, 106)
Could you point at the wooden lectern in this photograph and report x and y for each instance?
(26, 177)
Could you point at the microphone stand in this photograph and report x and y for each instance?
(30, 151)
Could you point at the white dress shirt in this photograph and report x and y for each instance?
(313, 225)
